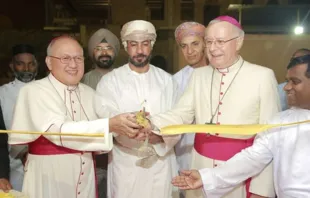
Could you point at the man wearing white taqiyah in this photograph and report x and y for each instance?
(190, 38)
(130, 88)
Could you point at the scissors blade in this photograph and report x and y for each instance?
(143, 112)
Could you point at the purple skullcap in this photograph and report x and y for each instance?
(230, 20)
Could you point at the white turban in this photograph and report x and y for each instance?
(138, 30)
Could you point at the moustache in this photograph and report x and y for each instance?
(105, 56)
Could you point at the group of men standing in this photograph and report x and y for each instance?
(217, 87)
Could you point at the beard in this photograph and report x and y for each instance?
(140, 63)
(25, 76)
(104, 61)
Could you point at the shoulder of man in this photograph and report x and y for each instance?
(116, 72)
(36, 87)
(87, 74)
(291, 115)
(7, 85)
(204, 72)
(4, 89)
(257, 68)
(113, 76)
(179, 74)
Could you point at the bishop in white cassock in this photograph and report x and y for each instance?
(190, 39)
(130, 88)
(229, 91)
(60, 166)
(288, 147)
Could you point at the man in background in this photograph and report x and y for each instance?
(25, 68)
(190, 38)
(103, 48)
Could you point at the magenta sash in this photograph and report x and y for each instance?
(221, 148)
(43, 146)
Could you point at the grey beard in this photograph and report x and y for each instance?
(140, 64)
(25, 76)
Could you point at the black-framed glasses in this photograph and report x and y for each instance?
(218, 43)
(68, 59)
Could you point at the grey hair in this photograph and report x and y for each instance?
(50, 45)
(239, 31)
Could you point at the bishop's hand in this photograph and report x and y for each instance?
(188, 180)
(125, 124)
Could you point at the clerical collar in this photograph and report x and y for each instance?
(60, 85)
(233, 67)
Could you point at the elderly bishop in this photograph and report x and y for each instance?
(229, 91)
(62, 166)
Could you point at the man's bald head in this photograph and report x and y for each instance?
(65, 60)
(60, 40)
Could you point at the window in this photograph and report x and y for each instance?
(155, 9)
(187, 10)
(211, 12)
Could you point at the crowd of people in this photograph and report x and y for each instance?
(131, 160)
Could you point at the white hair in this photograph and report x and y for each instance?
(239, 31)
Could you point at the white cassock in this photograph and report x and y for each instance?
(123, 90)
(8, 95)
(288, 147)
(184, 147)
(250, 98)
(59, 166)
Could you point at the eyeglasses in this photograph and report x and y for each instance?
(68, 59)
(219, 43)
(100, 48)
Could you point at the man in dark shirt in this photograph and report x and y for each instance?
(4, 158)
